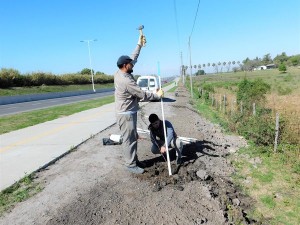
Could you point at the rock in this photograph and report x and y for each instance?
(255, 161)
(236, 201)
(202, 174)
(232, 150)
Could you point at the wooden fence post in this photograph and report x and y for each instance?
(276, 132)
(254, 109)
(224, 103)
(241, 107)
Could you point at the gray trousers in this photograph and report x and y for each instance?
(127, 124)
(175, 143)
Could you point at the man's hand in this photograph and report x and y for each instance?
(160, 93)
(142, 40)
(162, 149)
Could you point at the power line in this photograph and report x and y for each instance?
(195, 18)
(176, 21)
(190, 50)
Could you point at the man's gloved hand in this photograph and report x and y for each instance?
(160, 93)
(142, 40)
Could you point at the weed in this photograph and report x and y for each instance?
(284, 91)
(263, 177)
(296, 168)
(18, 192)
(268, 201)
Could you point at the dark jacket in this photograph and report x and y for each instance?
(157, 135)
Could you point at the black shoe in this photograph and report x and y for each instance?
(141, 164)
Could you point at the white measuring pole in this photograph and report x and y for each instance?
(164, 125)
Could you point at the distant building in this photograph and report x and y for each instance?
(260, 68)
(269, 66)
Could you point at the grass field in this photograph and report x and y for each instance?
(26, 119)
(285, 87)
(284, 96)
(271, 179)
(49, 89)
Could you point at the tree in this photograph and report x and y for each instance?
(282, 68)
(200, 72)
(283, 58)
(86, 71)
(208, 64)
(199, 66)
(267, 59)
(294, 60)
(219, 63)
(228, 66)
(100, 73)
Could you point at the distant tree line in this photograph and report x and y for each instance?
(13, 78)
(281, 61)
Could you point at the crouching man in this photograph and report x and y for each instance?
(156, 129)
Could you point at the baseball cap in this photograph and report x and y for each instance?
(124, 59)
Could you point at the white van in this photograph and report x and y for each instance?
(148, 83)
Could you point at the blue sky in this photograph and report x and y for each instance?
(45, 36)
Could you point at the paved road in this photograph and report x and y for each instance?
(26, 150)
(10, 109)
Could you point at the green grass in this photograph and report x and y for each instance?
(18, 192)
(48, 89)
(26, 119)
(167, 84)
(173, 89)
(268, 201)
(205, 110)
(281, 83)
(274, 184)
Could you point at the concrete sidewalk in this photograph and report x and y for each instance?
(26, 150)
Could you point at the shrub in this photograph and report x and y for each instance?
(12, 78)
(252, 91)
(282, 67)
(8, 77)
(41, 78)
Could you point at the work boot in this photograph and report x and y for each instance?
(135, 169)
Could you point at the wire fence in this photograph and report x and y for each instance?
(286, 124)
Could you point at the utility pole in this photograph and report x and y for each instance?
(88, 42)
(182, 69)
(191, 67)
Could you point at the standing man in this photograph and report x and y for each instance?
(127, 96)
(157, 136)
